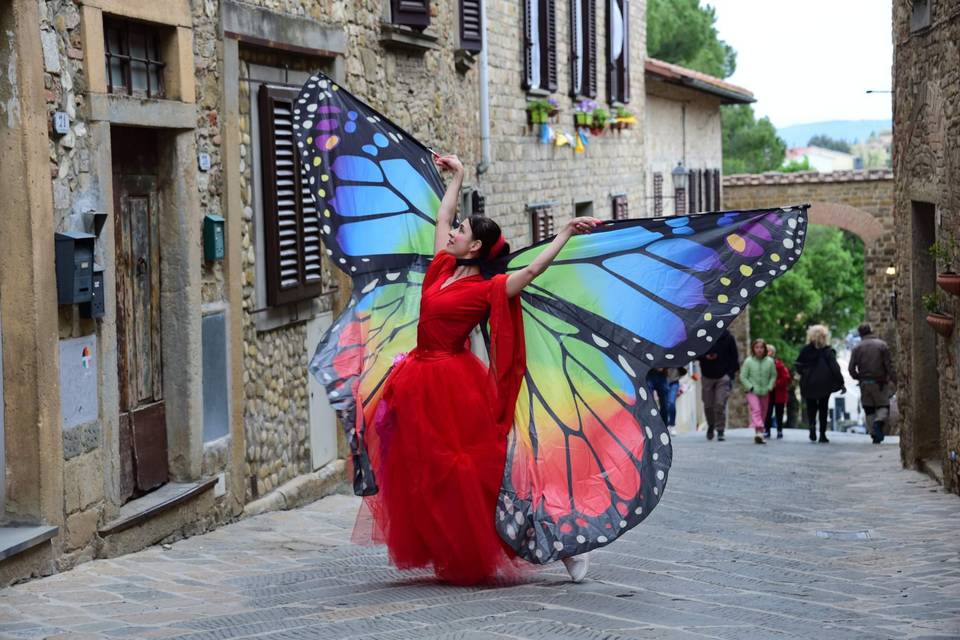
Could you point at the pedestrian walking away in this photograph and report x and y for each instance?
(778, 397)
(718, 369)
(820, 376)
(665, 384)
(872, 367)
(758, 376)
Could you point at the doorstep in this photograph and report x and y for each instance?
(16, 538)
(154, 503)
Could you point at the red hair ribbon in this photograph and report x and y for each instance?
(496, 248)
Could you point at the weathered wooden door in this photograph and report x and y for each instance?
(143, 433)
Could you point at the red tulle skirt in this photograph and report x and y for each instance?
(439, 464)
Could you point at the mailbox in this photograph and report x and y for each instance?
(74, 263)
(97, 305)
(213, 237)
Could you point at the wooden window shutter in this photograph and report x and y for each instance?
(291, 224)
(412, 13)
(717, 198)
(549, 16)
(693, 204)
(708, 191)
(620, 210)
(471, 38)
(658, 194)
(542, 223)
(618, 70)
(540, 35)
(583, 63)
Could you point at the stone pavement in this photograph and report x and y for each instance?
(790, 540)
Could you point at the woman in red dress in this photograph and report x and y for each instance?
(444, 416)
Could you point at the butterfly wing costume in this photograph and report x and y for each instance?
(587, 456)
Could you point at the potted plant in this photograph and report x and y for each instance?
(940, 322)
(538, 111)
(623, 119)
(583, 113)
(944, 251)
(599, 121)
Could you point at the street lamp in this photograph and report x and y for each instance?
(679, 174)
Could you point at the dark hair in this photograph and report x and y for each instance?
(864, 329)
(487, 232)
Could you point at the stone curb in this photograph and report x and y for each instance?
(301, 490)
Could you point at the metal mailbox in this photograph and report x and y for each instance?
(213, 237)
(73, 251)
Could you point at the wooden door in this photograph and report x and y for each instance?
(143, 434)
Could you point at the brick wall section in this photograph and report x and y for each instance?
(525, 171)
(926, 160)
(860, 202)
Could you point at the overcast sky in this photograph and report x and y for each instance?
(812, 60)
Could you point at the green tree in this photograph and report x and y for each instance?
(685, 33)
(803, 164)
(824, 286)
(826, 142)
(749, 145)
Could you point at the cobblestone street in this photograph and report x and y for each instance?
(790, 540)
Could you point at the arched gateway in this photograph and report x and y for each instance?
(860, 202)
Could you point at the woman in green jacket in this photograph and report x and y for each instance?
(758, 375)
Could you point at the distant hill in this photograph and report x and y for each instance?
(850, 130)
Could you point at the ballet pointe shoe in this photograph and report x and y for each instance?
(577, 567)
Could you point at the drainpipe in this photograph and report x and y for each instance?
(484, 96)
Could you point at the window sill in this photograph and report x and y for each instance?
(398, 37)
(538, 93)
(16, 539)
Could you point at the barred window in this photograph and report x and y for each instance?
(542, 222)
(134, 63)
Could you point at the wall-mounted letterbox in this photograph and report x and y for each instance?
(213, 237)
(74, 260)
(97, 305)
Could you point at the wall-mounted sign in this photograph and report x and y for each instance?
(61, 122)
(203, 160)
(79, 400)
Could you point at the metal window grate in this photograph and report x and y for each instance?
(658, 194)
(620, 209)
(134, 65)
(542, 223)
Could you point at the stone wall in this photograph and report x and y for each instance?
(926, 160)
(526, 172)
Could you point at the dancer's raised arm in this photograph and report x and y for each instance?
(517, 280)
(448, 206)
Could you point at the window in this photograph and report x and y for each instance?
(920, 15)
(583, 209)
(541, 218)
(583, 48)
(540, 45)
(471, 35)
(412, 13)
(134, 67)
(290, 220)
(618, 51)
(703, 187)
(658, 194)
(620, 211)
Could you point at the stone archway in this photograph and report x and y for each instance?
(860, 202)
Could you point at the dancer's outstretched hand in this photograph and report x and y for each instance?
(449, 163)
(581, 225)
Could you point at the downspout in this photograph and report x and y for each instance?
(484, 96)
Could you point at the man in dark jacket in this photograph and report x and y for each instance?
(871, 365)
(719, 367)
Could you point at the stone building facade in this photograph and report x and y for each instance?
(926, 163)
(528, 180)
(133, 127)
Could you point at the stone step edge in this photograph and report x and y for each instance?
(302, 490)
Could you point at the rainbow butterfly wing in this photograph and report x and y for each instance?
(376, 188)
(377, 192)
(589, 456)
